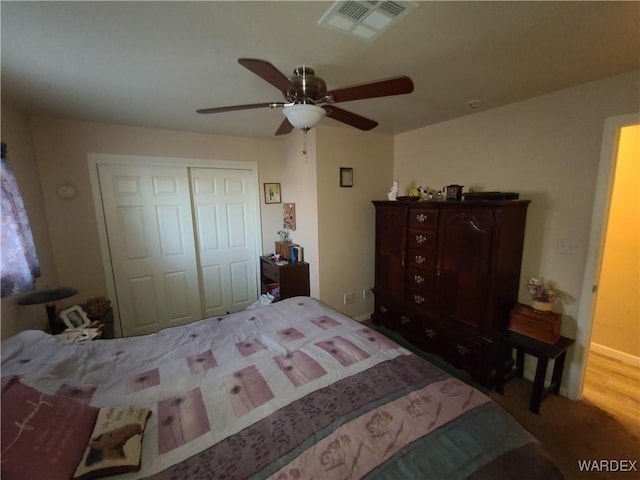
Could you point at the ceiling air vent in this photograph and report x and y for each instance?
(365, 20)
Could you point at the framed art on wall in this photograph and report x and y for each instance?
(272, 193)
(289, 216)
(346, 177)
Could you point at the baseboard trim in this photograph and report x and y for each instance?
(616, 355)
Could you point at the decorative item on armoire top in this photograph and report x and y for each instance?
(289, 217)
(417, 193)
(478, 196)
(453, 192)
(393, 191)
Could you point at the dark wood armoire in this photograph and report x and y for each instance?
(447, 275)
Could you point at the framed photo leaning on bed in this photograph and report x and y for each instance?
(75, 318)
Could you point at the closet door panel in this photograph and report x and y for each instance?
(240, 281)
(150, 232)
(225, 205)
(213, 298)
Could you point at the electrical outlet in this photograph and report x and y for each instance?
(348, 298)
(366, 293)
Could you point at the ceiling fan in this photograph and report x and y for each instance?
(304, 93)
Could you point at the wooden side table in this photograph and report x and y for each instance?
(292, 279)
(543, 352)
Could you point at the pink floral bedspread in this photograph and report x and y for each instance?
(294, 390)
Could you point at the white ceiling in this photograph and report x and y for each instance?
(154, 63)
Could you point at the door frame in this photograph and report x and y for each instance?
(95, 159)
(595, 249)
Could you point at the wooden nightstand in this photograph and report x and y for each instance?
(292, 278)
(543, 352)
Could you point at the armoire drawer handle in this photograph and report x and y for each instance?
(418, 299)
(418, 279)
(421, 217)
(420, 259)
(431, 333)
(404, 319)
(462, 350)
(420, 239)
(383, 309)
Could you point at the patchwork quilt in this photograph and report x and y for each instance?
(293, 390)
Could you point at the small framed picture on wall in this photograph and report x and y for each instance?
(272, 193)
(346, 177)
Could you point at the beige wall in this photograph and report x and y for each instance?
(617, 313)
(299, 186)
(17, 135)
(346, 217)
(61, 148)
(547, 149)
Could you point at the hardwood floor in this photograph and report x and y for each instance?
(614, 387)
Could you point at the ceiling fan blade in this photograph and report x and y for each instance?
(269, 73)
(349, 118)
(240, 107)
(382, 88)
(284, 128)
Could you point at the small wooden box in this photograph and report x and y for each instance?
(284, 248)
(543, 326)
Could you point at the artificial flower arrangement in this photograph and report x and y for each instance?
(543, 295)
(541, 292)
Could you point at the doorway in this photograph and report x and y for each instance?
(610, 318)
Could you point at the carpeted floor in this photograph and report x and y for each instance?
(570, 431)
(573, 431)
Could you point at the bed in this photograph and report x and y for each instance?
(293, 390)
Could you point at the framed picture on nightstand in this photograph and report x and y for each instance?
(75, 318)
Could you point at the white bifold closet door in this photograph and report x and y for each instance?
(224, 214)
(181, 243)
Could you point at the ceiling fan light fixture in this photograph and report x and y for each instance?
(304, 115)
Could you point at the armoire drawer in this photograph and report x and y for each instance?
(431, 337)
(420, 280)
(464, 352)
(394, 317)
(424, 258)
(424, 218)
(420, 298)
(422, 239)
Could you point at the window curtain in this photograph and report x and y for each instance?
(20, 265)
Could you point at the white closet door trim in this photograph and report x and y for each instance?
(94, 159)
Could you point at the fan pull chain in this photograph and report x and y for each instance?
(304, 140)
